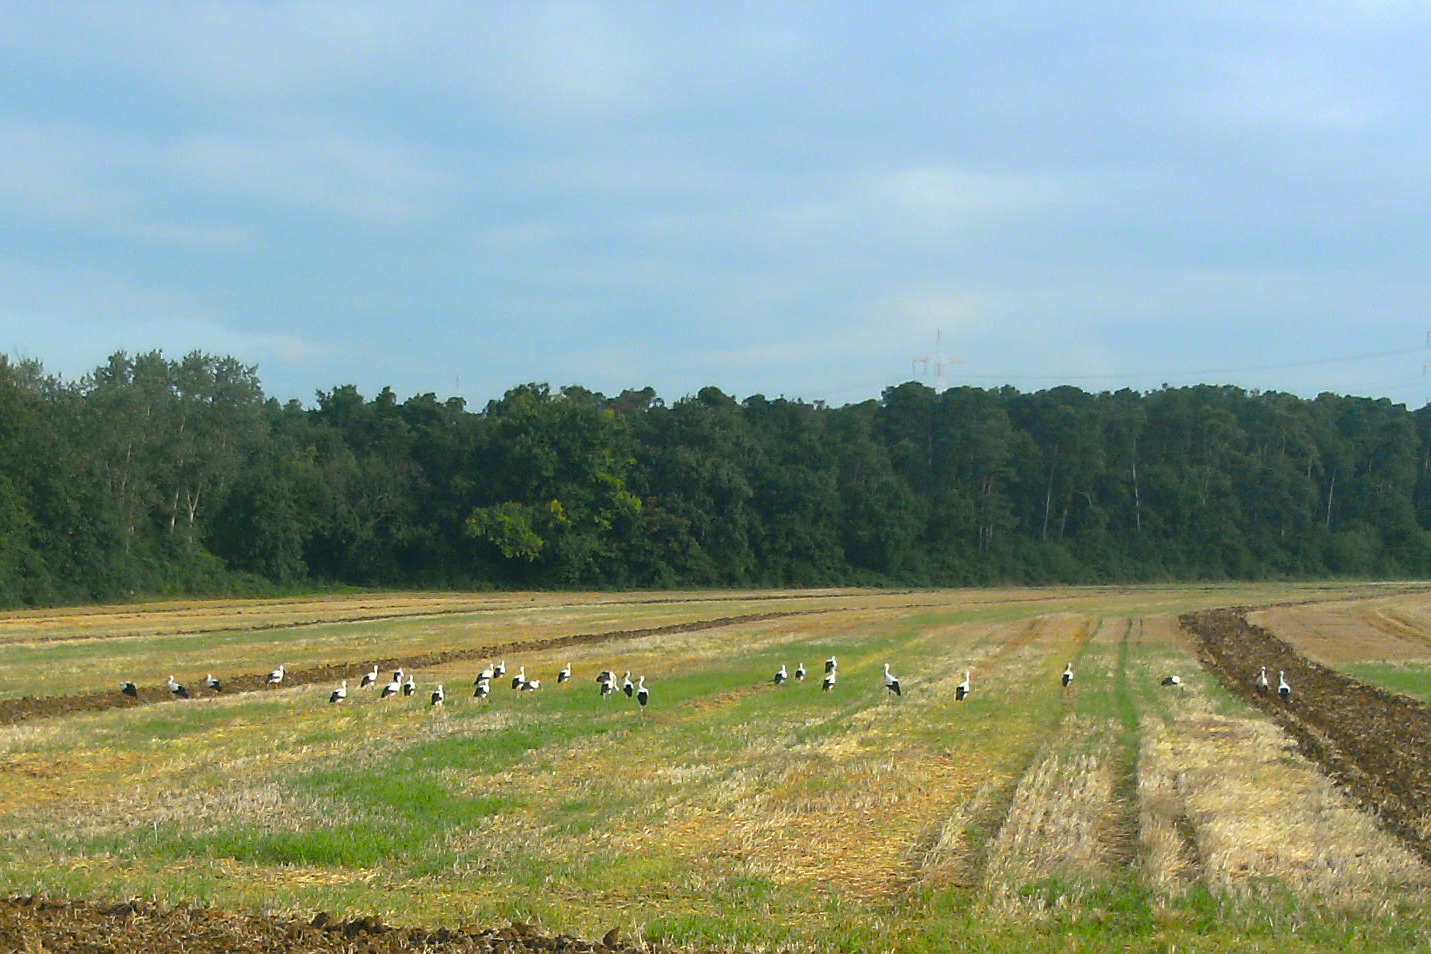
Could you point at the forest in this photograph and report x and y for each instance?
(156, 477)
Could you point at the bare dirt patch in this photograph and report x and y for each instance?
(35, 924)
(1375, 743)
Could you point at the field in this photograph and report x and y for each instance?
(730, 814)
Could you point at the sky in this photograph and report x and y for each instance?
(775, 198)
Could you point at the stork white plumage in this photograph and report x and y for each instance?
(1261, 681)
(627, 686)
(129, 689)
(1067, 677)
(369, 678)
(564, 675)
(275, 678)
(408, 687)
(214, 684)
(520, 677)
(607, 686)
(177, 689)
(1174, 680)
(390, 690)
(339, 694)
(501, 670)
(487, 673)
(643, 695)
(781, 676)
(438, 696)
(830, 665)
(829, 681)
(800, 673)
(531, 685)
(961, 691)
(1283, 689)
(484, 689)
(891, 683)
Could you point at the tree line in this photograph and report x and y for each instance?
(151, 476)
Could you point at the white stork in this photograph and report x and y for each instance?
(830, 665)
(339, 694)
(961, 691)
(520, 677)
(391, 689)
(484, 689)
(800, 673)
(829, 681)
(890, 682)
(501, 670)
(643, 695)
(1173, 680)
(488, 673)
(438, 696)
(1067, 677)
(781, 675)
(627, 686)
(211, 683)
(531, 685)
(1283, 690)
(276, 677)
(607, 686)
(129, 689)
(564, 675)
(369, 678)
(1261, 681)
(408, 687)
(177, 689)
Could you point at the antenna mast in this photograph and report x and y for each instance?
(940, 361)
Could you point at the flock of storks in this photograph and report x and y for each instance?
(403, 684)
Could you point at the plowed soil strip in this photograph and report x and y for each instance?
(138, 927)
(1375, 743)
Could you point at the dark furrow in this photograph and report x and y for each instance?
(1375, 744)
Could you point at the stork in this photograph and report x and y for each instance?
(1283, 690)
(1175, 681)
(369, 678)
(177, 689)
(830, 665)
(501, 669)
(211, 683)
(608, 687)
(781, 675)
(520, 677)
(627, 686)
(487, 673)
(484, 689)
(890, 682)
(438, 695)
(391, 689)
(1261, 681)
(129, 689)
(643, 695)
(1067, 677)
(276, 677)
(339, 694)
(800, 673)
(961, 691)
(564, 675)
(531, 685)
(409, 687)
(829, 681)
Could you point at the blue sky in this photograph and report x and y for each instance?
(776, 198)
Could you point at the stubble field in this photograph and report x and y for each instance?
(730, 814)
